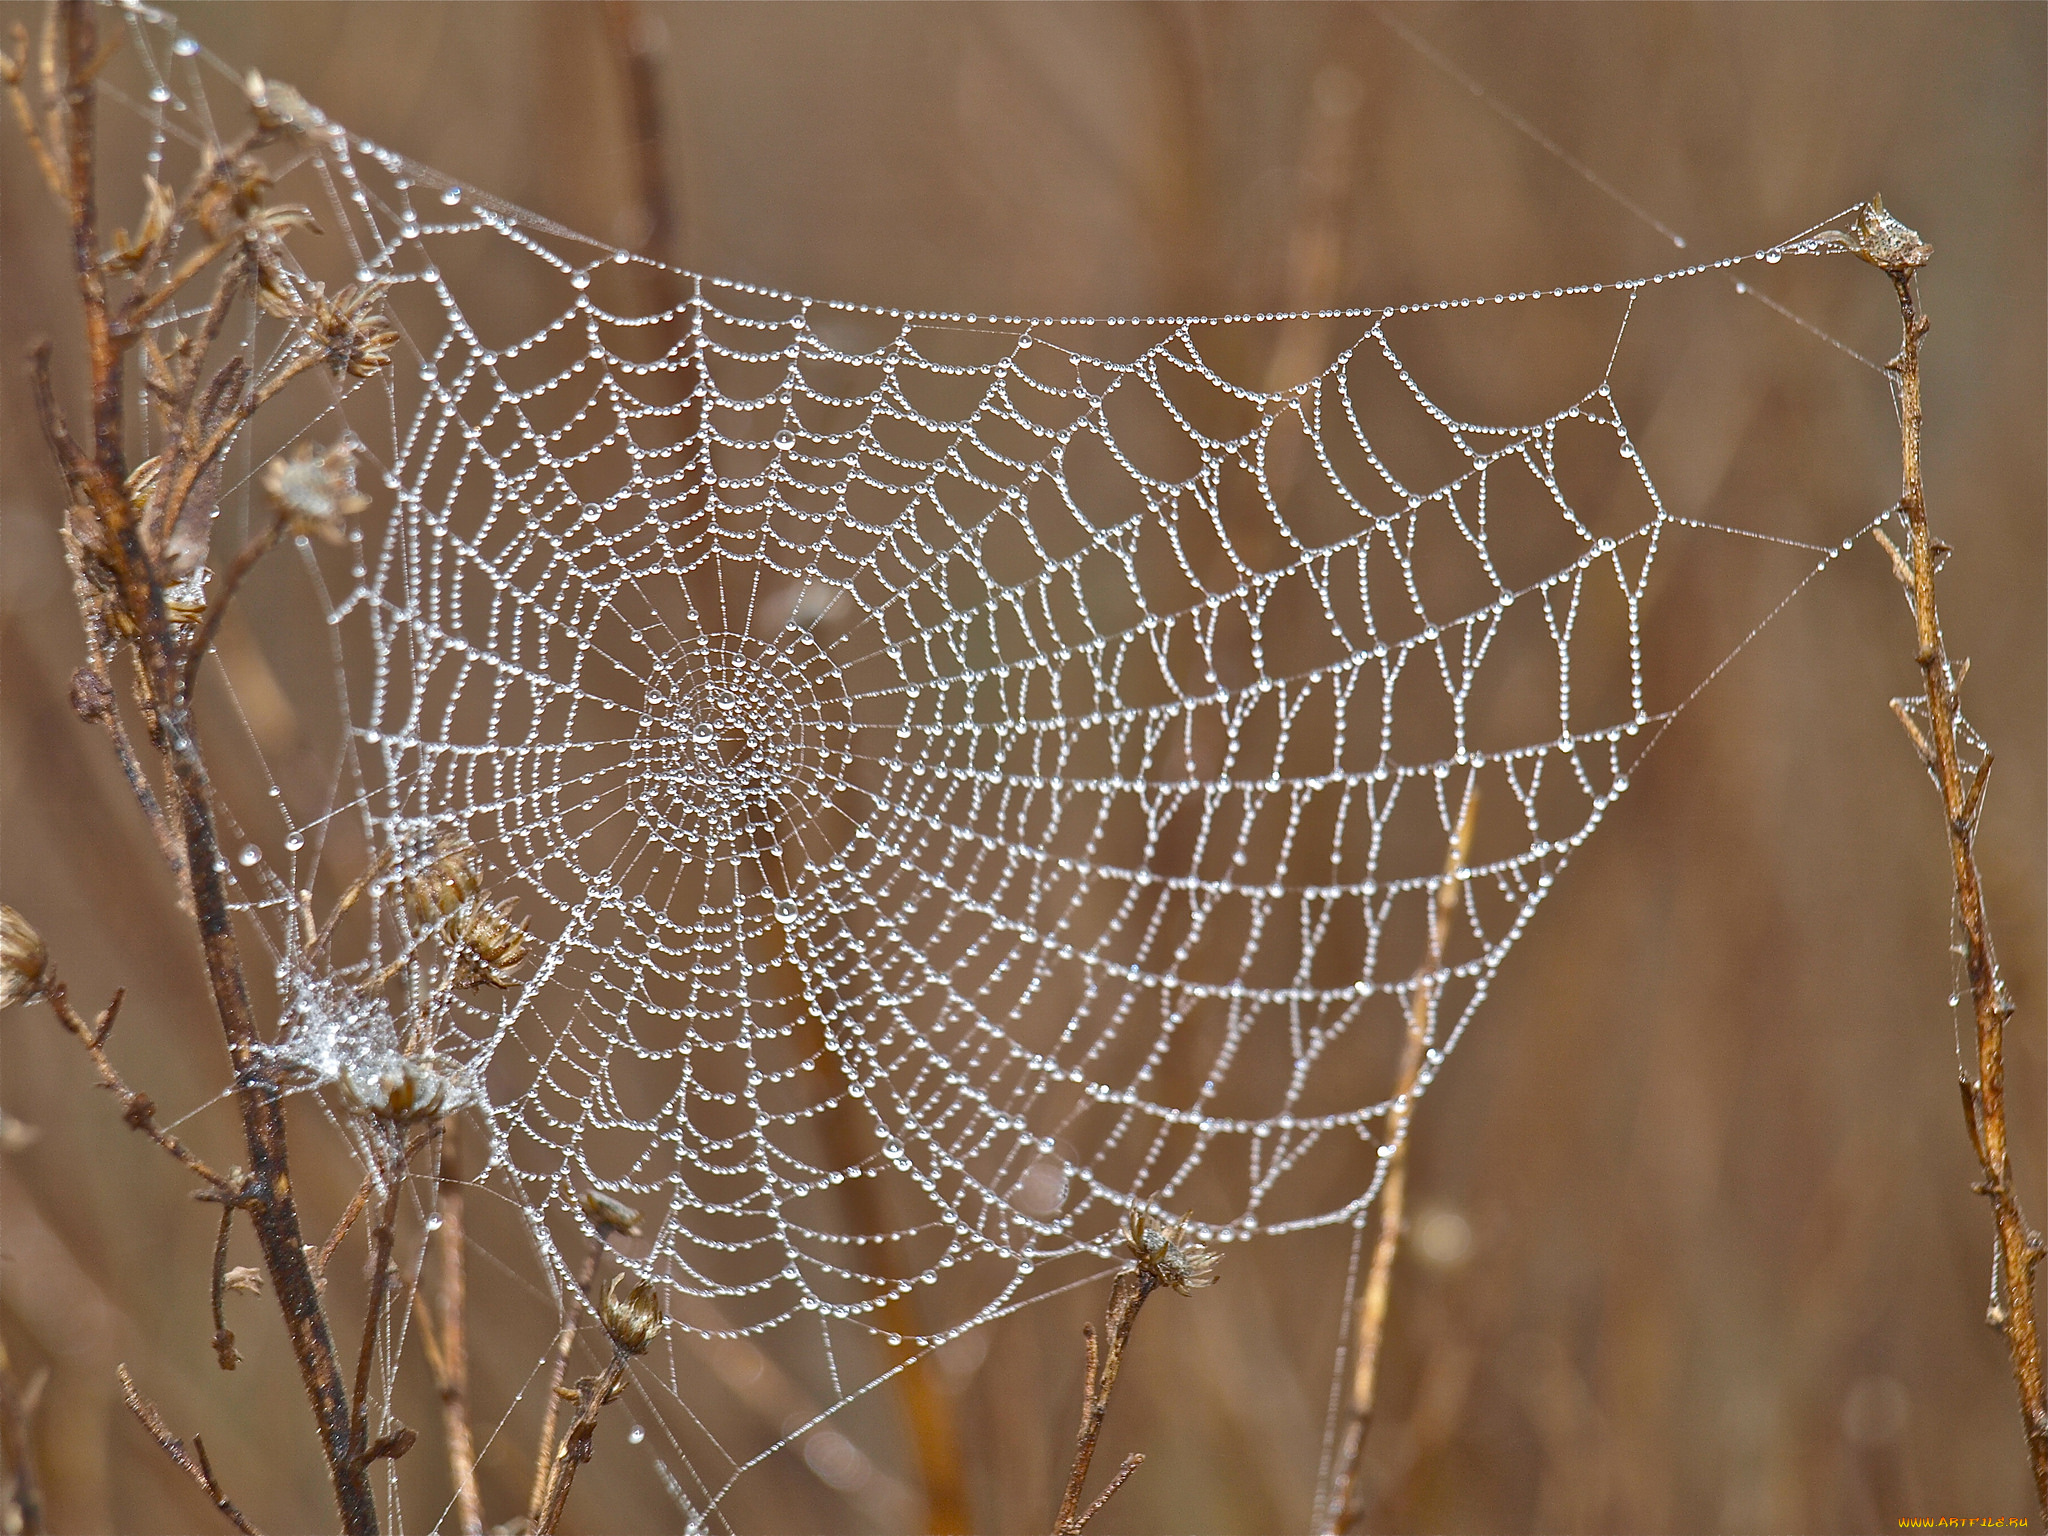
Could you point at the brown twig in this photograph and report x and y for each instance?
(195, 1466)
(450, 1357)
(1127, 1293)
(382, 1237)
(223, 1339)
(544, 1462)
(137, 1108)
(23, 1510)
(243, 563)
(1347, 1491)
(138, 588)
(591, 1396)
(1899, 253)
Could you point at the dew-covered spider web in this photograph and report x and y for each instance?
(965, 778)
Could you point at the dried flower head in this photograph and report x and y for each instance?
(609, 1215)
(314, 488)
(490, 946)
(631, 1314)
(441, 880)
(24, 960)
(1167, 1257)
(407, 1089)
(352, 328)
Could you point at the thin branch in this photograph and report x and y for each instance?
(382, 1236)
(1899, 253)
(591, 1396)
(1127, 1293)
(544, 1462)
(137, 1108)
(198, 1470)
(342, 1227)
(1347, 1501)
(24, 1508)
(450, 1360)
(243, 563)
(223, 1339)
(1131, 1464)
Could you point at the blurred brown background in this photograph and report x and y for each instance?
(1724, 1271)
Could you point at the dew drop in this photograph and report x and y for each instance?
(1774, 257)
(249, 856)
(1023, 342)
(452, 196)
(159, 94)
(635, 1435)
(580, 280)
(592, 511)
(434, 1222)
(701, 734)
(293, 843)
(785, 439)
(185, 47)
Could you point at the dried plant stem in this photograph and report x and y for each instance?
(544, 1463)
(2019, 1247)
(591, 1396)
(449, 1349)
(1127, 1293)
(100, 475)
(23, 1511)
(1347, 1491)
(194, 1466)
(137, 1108)
(382, 1236)
(223, 1337)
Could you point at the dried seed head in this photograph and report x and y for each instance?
(24, 960)
(1165, 1254)
(352, 328)
(406, 1090)
(609, 1215)
(442, 881)
(632, 1315)
(490, 945)
(314, 488)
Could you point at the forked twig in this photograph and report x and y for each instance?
(1347, 1501)
(194, 1466)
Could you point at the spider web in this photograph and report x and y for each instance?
(967, 778)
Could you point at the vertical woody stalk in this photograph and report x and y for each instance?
(97, 473)
(1899, 253)
(1347, 1492)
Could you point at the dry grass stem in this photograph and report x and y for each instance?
(1347, 1491)
(591, 1395)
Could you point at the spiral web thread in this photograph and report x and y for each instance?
(967, 778)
